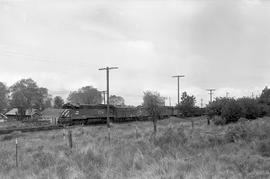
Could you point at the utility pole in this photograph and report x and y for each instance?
(108, 94)
(211, 93)
(227, 94)
(170, 101)
(201, 103)
(178, 92)
(104, 96)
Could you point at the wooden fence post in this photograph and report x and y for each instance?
(136, 129)
(16, 142)
(109, 135)
(70, 138)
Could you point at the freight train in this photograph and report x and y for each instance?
(85, 114)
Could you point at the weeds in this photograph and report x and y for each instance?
(176, 151)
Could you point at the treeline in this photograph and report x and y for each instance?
(26, 94)
(226, 110)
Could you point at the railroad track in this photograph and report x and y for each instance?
(30, 129)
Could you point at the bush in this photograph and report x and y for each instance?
(171, 138)
(219, 120)
(231, 111)
(237, 132)
(249, 107)
(264, 148)
(215, 108)
(90, 163)
(264, 110)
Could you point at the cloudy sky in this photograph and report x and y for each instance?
(61, 44)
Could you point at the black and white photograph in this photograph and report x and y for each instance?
(135, 89)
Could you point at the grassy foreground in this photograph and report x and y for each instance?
(235, 151)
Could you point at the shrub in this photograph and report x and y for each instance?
(219, 120)
(237, 132)
(171, 138)
(90, 163)
(231, 111)
(42, 160)
(215, 108)
(264, 110)
(249, 107)
(264, 148)
(12, 136)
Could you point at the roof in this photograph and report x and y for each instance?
(52, 112)
(28, 112)
(13, 111)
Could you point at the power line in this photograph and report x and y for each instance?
(33, 58)
(108, 102)
(178, 91)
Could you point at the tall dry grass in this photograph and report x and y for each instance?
(177, 151)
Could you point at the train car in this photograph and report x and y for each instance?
(85, 114)
(124, 114)
(166, 111)
(142, 113)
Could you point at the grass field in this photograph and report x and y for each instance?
(177, 151)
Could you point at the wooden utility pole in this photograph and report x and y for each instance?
(108, 94)
(201, 103)
(227, 94)
(178, 92)
(211, 94)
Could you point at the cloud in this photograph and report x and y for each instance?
(61, 44)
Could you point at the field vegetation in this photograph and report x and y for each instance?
(237, 150)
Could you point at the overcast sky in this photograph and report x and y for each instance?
(60, 44)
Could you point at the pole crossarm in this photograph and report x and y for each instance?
(178, 76)
(108, 68)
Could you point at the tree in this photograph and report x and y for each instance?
(152, 102)
(85, 95)
(58, 102)
(26, 94)
(117, 100)
(231, 111)
(187, 105)
(265, 96)
(215, 107)
(250, 108)
(3, 97)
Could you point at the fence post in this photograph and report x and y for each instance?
(136, 130)
(16, 142)
(192, 123)
(70, 138)
(109, 135)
